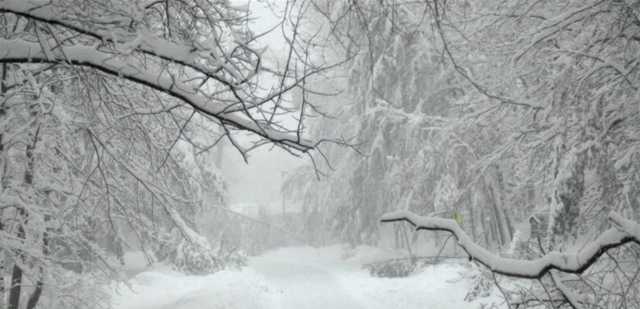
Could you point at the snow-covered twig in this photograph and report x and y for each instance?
(623, 232)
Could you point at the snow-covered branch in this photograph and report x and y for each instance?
(625, 231)
(214, 69)
(156, 77)
(183, 54)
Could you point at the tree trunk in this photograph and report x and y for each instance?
(471, 217)
(503, 229)
(37, 292)
(16, 279)
(568, 195)
(16, 276)
(3, 77)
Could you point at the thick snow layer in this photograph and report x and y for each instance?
(171, 290)
(303, 277)
(571, 262)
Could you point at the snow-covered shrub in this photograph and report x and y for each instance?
(194, 259)
(194, 254)
(68, 289)
(392, 268)
(482, 285)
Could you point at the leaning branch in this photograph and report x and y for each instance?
(622, 232)
(153, 76)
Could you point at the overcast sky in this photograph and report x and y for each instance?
(258, 182)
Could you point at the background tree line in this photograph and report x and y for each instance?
(518, 118)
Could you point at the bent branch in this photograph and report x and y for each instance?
(150, 75)
(624, 231)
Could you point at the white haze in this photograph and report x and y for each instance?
(257, 183)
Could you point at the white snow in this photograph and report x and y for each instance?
(162, 289)
(567, 261)
(303, 277)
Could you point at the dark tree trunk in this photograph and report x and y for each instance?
(3, 76)
(16, 275)
(37, 292)
(35, 296)
(568, 195)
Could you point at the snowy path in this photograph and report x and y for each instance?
(302, 278)
(303, 286)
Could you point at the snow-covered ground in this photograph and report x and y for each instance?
(303, 277)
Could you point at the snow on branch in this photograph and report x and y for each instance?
(183, 54)
(624, 231)
(154, 76)
(123, 46)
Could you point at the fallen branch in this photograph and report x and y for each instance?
(623, 231)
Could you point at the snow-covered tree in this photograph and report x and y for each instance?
(404, 106)
(490, 112)
(105, 107)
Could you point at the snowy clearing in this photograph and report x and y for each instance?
(304, 277)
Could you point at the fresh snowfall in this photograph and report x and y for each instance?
(304, 277)
(279, 154)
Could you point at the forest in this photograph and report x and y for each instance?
(193, 154)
